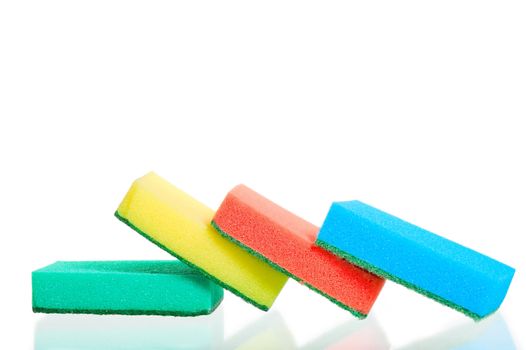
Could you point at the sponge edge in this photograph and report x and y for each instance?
(124, 287)
(180, 225)
(445, 271)
(286, 241)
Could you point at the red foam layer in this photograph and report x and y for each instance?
(288, 241)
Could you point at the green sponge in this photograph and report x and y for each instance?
(124, 287)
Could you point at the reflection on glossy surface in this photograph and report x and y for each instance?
(491, 333)
(269, 332)
(353, 334)
(84, 332)
(55, 332)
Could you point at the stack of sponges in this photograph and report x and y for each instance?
(251, 245)
(355, 247)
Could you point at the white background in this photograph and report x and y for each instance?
(416, 107)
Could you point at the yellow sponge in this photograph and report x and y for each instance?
(180, 225)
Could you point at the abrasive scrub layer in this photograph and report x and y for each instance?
(124, 287)
(180, 225)
(287, 242)
(436, 267)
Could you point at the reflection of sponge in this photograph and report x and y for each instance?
(452, 274)
(268, 332)
(352, 335)
(91, 332)
(181, 225)
(124, 287)
(287, 242)
(490, 333)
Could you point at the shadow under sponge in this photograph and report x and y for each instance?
(124, 287)
(286, 241)
(436, 267)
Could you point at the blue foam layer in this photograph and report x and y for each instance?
(449, 272)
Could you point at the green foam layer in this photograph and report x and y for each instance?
(371, 268)
(279, 268)
(124, 287)
(211, 277)
(124, 312)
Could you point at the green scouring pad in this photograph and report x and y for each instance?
(124, 287)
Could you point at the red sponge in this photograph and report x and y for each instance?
(287, 242)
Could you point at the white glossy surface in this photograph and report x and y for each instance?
(414, 107)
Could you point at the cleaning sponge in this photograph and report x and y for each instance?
(124, 287)
(448, 272)
(287, 242)
(180, 225)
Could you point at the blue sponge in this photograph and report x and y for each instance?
(450, 273)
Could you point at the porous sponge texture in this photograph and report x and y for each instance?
(124, 287)
(181, 225)
(448, 272)
(287, 241)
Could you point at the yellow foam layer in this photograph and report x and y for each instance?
(181, 225)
